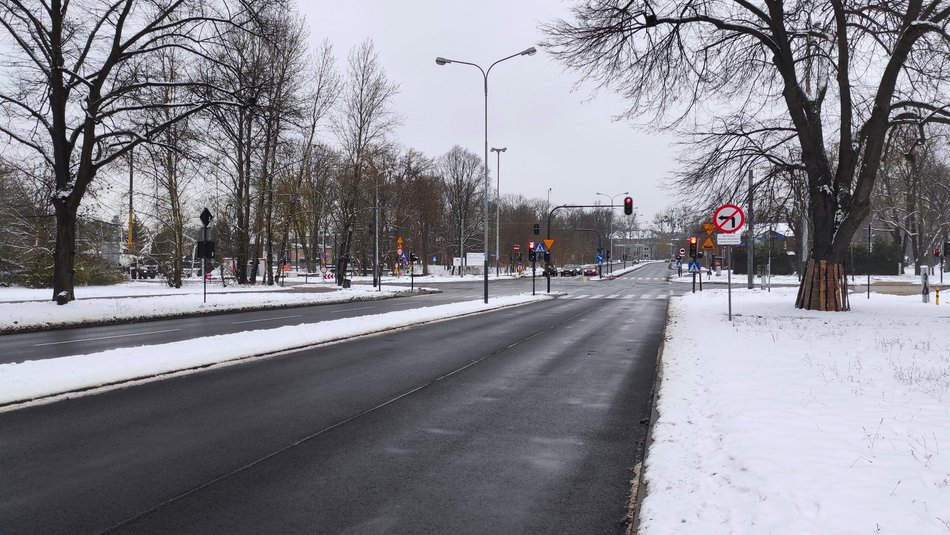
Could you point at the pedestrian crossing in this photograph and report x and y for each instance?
(646, 278)
(622, 297)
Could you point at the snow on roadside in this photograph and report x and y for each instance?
(47, 314)
(40, 378)
(788, 421)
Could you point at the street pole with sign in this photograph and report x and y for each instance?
(729, 220)
(206, 218)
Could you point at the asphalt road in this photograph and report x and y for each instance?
(83, 340)
(523, 420)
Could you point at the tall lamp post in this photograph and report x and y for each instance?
(610, 229)
(498, 206)
(442, 61)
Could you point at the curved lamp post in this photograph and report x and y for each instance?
(443, 61)
(498, 206)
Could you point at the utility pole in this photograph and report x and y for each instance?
(750, 243)
(131, 218)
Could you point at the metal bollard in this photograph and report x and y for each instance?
(937, 298)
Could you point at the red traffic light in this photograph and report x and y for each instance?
(692, 240)
(937, 251)
(628, 205)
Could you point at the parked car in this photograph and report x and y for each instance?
(143, 267)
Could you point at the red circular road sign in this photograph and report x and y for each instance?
(517, 247)
(729, 218)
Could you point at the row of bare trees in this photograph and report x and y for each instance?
(805, 92)
(222, 104)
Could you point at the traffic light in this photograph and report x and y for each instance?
(412, 257)
(532, 255)
(692, 246)
(547, 257)
(937, 251)
(628, 205)
(537, 229)
(205, 249)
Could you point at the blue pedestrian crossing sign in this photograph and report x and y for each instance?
(694, 267)
(599, 258)
(539, 247)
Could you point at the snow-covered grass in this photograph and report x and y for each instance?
(789, 422)
(29, 380)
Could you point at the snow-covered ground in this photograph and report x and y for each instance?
(782, 421)
(786, 421)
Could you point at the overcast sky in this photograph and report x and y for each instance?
(556, 138)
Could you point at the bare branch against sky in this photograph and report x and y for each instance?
(558, 137)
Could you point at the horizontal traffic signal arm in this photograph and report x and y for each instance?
(571, 207)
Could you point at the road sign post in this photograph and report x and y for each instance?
(729, 220)
(206, 218)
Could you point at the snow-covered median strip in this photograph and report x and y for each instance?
(35, 379)
(47, 314)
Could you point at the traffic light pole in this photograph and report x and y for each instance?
(547, 272)
(534, 263)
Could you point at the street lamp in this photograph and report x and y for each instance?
(498, 205)
(611, 225)
(443, 61)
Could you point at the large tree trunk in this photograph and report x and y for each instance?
(824, 287)
(64, 256)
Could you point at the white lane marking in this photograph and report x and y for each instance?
(265, 319)
(105, 337)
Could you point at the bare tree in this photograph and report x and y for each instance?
(284, 47)
(26, 242)
(785, 75)
(309, 190)
(171, 162)
(365, 120)
(80, 73)
(235, 144)
(913, 195)
(460, 170)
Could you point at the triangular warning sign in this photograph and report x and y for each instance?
(710, 228)
(708, 244)
(549, 243)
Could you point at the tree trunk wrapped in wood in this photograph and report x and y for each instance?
(824, 287)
